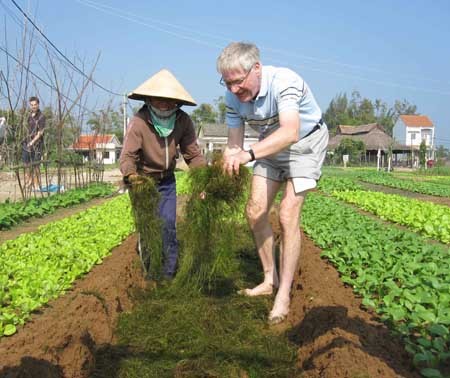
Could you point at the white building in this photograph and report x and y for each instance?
(213, 138)
(101, 148)
(410, 130)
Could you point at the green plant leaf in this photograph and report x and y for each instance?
(431, 373)
(438, 329)
(10, 329)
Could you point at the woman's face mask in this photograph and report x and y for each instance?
(163, 114)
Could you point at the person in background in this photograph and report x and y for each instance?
(2, 129)
(150, 149)
(32, 146)
(289, 154)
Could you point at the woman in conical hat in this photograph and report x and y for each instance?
(150, 149)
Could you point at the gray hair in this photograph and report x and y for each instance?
(238, 55)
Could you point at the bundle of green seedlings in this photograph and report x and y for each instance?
(144, 198)
(207, 232)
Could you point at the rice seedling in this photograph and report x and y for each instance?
(207, 233)
(144, 198)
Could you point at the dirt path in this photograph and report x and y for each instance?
(335, 337)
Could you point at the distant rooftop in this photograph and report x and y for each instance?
(221, 130)
(416, 120)
(89, 142)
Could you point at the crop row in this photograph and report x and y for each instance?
(386, 179)
(11, 213)
(396, 272)
(425, 217)
(444, 180)
(39, 266)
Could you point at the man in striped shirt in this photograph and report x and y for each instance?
(289, 155)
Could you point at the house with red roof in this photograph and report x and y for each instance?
(101, 148)
(410, 130)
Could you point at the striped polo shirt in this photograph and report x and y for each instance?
(281, 89)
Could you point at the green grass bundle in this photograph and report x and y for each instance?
(145, 198)
(181, 336)
(207, 232)
(171, 333)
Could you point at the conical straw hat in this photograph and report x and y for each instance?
(162, 84)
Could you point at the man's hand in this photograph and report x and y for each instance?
(231, 151)
(232, 162)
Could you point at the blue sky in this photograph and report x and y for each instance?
(391, 50)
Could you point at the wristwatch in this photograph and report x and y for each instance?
(252, 155)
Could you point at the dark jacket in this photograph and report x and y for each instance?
(145, 152)
(35, 124)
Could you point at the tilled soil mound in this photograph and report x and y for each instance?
(336, 338)
(61, 340)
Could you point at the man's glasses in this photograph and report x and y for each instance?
(231, 84)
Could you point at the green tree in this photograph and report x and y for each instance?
(403, 107)
(107, 121)
(357, 111)
(384, 115)
(361, 111)
(442, 152)
(353, 106)
(221, 109)
(337, 112)
(400, 108)
(366, 112)
(204, 114)
(422, 153)
(354, 148)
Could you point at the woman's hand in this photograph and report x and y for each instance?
(135, 179)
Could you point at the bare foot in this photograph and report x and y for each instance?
(261, 289)
(279, 311)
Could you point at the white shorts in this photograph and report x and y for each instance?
(302, 160)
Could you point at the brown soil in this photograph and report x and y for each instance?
(335, 337)
(61, 340)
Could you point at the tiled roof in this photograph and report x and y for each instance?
(89, 142)
(416, 120)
